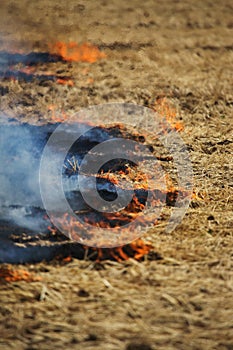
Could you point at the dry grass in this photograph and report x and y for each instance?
(181, 50)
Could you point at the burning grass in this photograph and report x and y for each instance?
(144, 179)
(72, 52)
(24, 66)
(12, 274)
(136, 250)
(169, 112)
(185, 300)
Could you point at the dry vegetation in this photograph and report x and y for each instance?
(178, 49)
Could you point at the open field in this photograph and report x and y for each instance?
(181, 50)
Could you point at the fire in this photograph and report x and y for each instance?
(57, 117)
(118, 222)
(198, 196)
(77, 53)
(170, 184)
(9, 274)
(135, 250)
(165, 110)
(115, 221)
(32, 70)
(109, 176)
(59, 52)
(64, 81)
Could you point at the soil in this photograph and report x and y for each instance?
(180, 50)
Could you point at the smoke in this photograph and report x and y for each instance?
(21, 149)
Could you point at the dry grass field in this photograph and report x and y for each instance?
(180, 50)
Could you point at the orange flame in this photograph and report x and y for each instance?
(136, 250)
(13, 275)
(56, 116)
(168, 112)
(77, 53)
(198, 196)
(63, 81)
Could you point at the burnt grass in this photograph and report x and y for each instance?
(181, 50)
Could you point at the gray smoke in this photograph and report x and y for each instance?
(21, 148)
